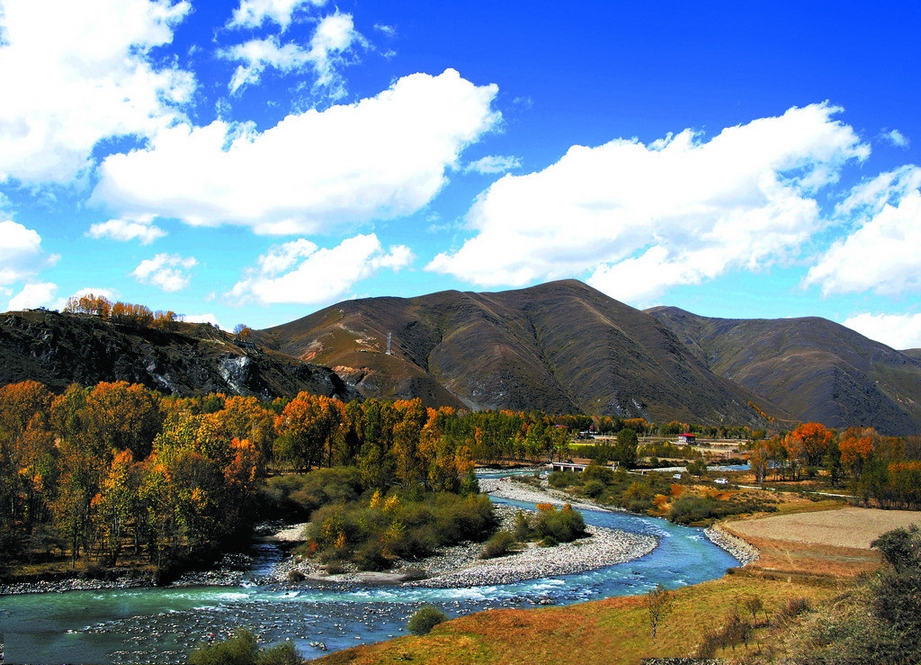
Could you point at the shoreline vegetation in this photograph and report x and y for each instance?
(451, 567)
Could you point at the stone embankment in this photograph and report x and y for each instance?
(737, 547)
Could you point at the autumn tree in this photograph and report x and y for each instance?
(121, 416)
(115, 505)
(856, 447)
(658, 603)
(407, 432)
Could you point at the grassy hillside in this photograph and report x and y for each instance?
(814, 368)
(561, 347)
(615, 630)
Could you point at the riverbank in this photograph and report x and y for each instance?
(453, 567)
(461, 566)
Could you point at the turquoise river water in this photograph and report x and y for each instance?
(163, 624)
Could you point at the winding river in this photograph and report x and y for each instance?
(163, 624)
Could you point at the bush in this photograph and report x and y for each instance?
(424, 619)
(281, 654)
(593, 489)
(522, 531)
(370, 556)
(563, 479)
(562, 525)
(237, 650)
(502, 543)
(792, 609)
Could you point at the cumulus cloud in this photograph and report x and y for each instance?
(334, 37)
(900, 331)
(493, 164)
(302, 273)
(75, 73)
(21, 254)
(125, 230)
(379, 158)
(881, 254)
(897, 138)
(33, 295)
(253, 13)
(641, 218)
(168, 272)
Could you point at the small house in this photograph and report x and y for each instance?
(687, 439)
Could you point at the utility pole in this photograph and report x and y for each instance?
(388, 343)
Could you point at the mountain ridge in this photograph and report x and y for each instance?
(815, 368)
(560, 347)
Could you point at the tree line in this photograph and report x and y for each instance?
(117, 468)
(121, 312)
(882, 469)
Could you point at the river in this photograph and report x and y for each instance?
(163, 624)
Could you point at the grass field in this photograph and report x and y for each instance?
(616, 630)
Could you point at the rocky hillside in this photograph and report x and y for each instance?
(814, 368)
(561, 347)
(60, 349)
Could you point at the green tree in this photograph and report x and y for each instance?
(625, 450)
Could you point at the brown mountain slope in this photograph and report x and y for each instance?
(194, 359)
(814, 368)
(561, 347)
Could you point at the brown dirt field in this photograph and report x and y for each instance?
(825, 543)
(853, 528)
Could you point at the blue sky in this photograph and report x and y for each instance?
(253, 161)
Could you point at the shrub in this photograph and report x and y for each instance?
(281, 654)
(424, 619)
(793, 608)
(598, 472)
(502, 543)
(237, 650)
(522, 531)
(562, 525)
(564, 479)
(593, 488)
(241, 649)
(370, 556)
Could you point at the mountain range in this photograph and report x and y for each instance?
(560, 347)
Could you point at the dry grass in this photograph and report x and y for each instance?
(615, 630)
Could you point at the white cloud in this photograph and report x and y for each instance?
(897, 138)
(21, 255)
(900, 331)
(258, 54)
(110, 294)
(74, 73)
(379, 158)
(168, 272)
(253, 13)
(334, 37)
(127, 229)
(33, 295)
(643, 218)
(882, 253)
(300, 272)
(493, 164)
